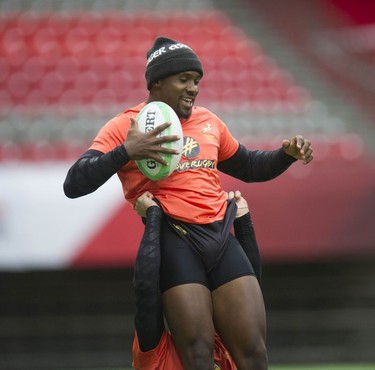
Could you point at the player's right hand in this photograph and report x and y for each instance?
(140, 145)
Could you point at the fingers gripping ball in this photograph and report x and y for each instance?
(152, 115)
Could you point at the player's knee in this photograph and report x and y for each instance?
(260, 353)
(254, 358)
(199, 355)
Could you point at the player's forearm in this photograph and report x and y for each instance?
(149, 315)
(92, 170)
(256, 165)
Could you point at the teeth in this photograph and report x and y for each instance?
(190, 101)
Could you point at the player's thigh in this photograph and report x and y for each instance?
(184, 285)
(188, 311)
(239, 312)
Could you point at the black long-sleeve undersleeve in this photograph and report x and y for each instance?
(92, 170)
(256, 165)
(149, 322)
(245, 234)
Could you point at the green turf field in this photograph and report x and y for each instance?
(324, 367)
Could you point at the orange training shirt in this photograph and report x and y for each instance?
(192, 193)
(165, 356)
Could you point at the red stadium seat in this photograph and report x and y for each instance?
(79, 58)
(18, 85)
(34, 69)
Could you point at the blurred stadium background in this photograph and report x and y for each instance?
(272, 69)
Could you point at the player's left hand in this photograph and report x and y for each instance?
(298, 147)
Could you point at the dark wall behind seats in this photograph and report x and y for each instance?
(317, 312)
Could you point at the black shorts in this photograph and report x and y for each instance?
(182, 264)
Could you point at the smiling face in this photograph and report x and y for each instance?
(178, 91)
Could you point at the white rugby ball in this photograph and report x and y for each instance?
(152, 115)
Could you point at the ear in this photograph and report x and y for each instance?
(156, 84)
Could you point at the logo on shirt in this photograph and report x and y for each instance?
(190, 151)
(207, 132)
(207, 128)
(190, 148)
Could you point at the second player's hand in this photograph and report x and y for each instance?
(140, 145)
(145, 201)
(242, 206)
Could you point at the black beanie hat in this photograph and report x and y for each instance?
(168, 57)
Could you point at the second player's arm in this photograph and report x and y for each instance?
(149, 322)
